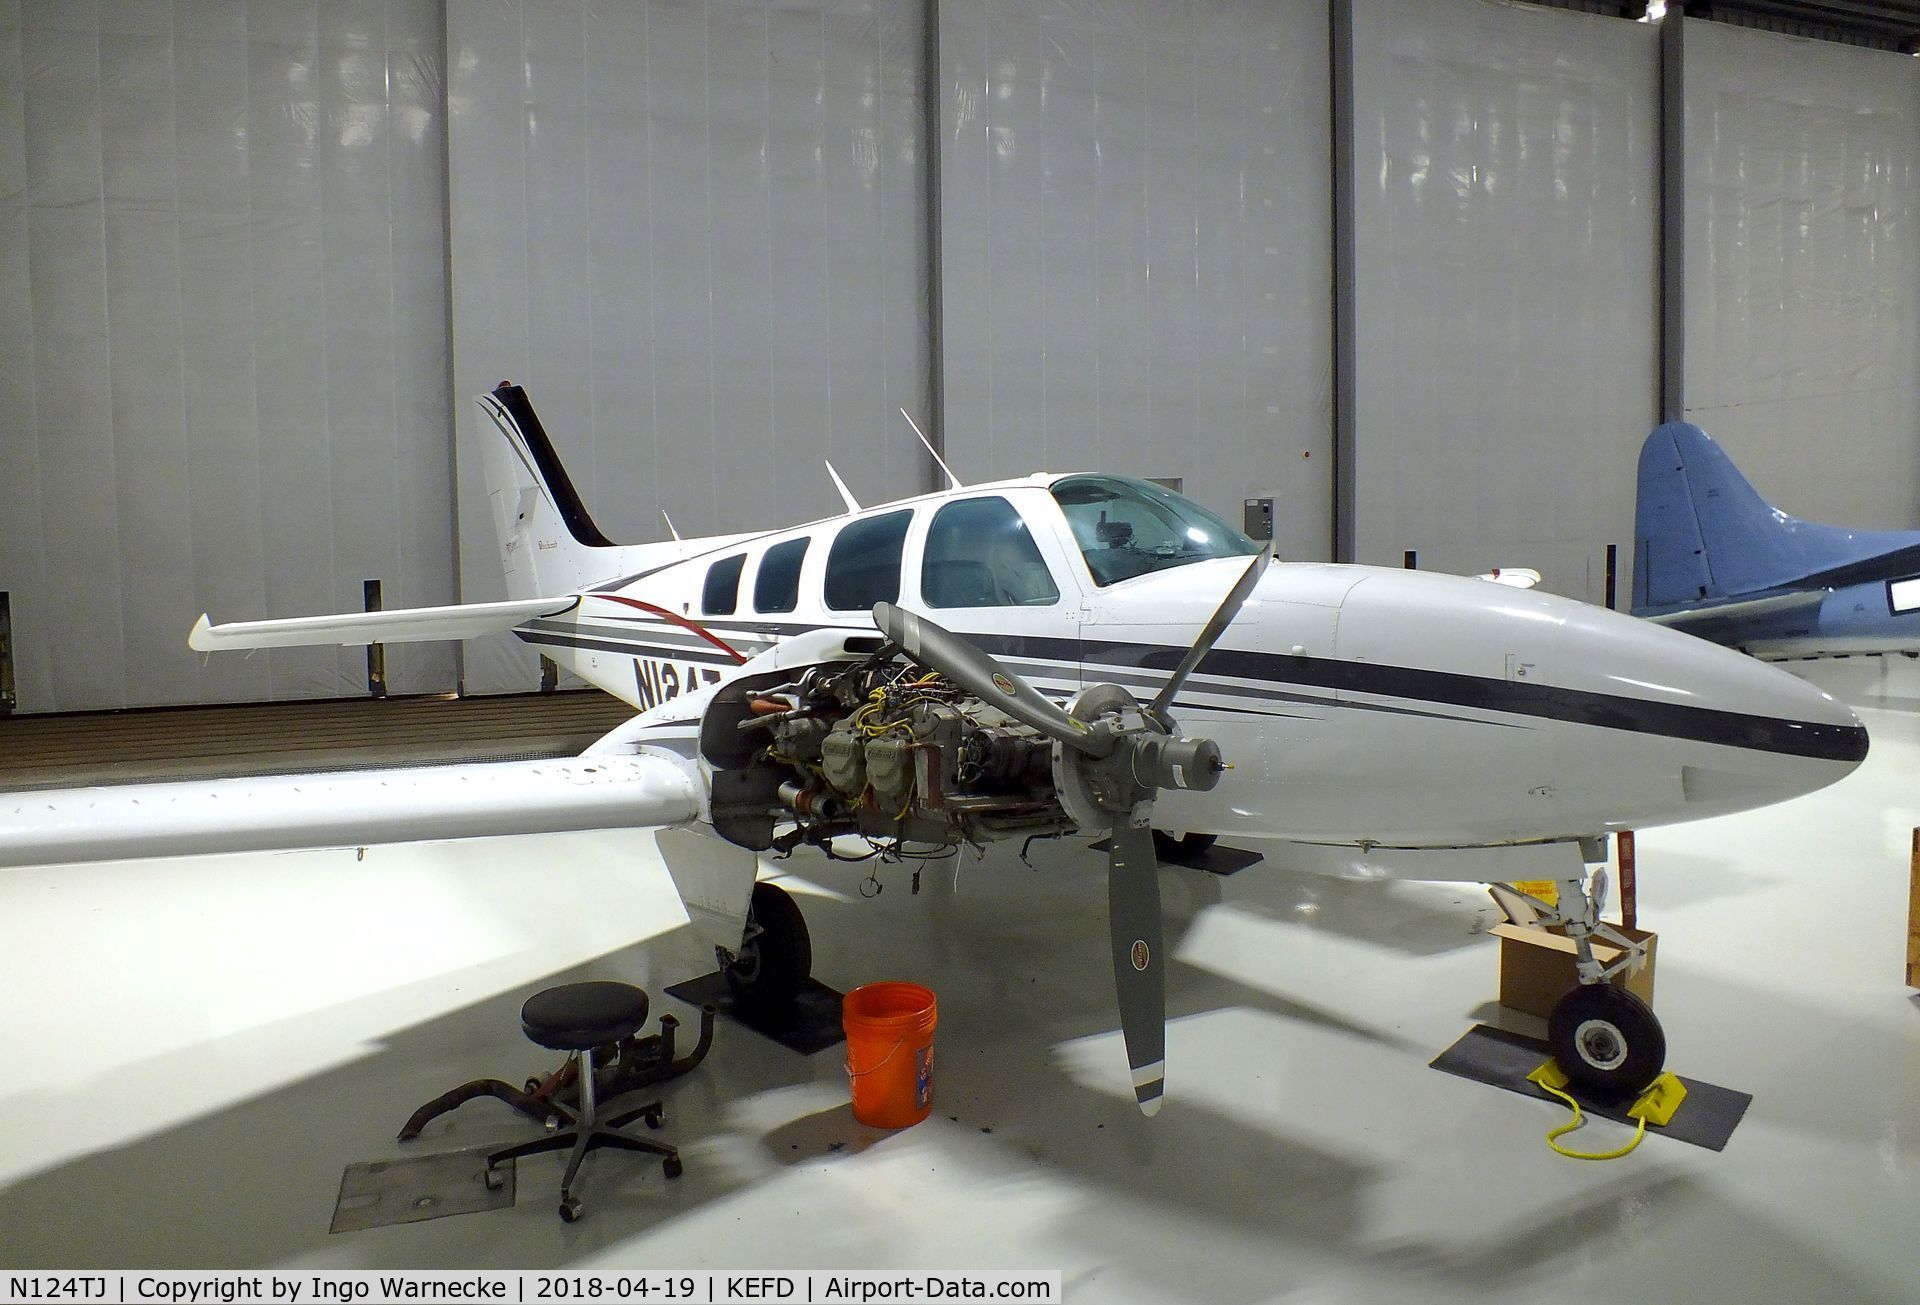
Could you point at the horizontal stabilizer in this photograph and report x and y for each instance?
(1692, 618)
(402, 625)
(344, 809)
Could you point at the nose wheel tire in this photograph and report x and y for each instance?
(571, 1209)
(1607, 1040)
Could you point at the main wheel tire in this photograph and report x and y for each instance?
(776, 960)
(1187, 847)
(1607, 1040)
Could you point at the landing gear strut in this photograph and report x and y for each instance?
(1607, 1040)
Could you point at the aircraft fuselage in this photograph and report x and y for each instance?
(1359, 706)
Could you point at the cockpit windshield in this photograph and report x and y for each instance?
(1129, 527)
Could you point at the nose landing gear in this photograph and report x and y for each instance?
(1607, 1040)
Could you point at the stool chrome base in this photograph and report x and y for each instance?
(586, 1134)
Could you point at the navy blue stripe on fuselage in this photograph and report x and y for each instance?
(1408, 684)
(1520, 698)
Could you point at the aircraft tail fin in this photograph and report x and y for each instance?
(1703, 533)
(548, 541)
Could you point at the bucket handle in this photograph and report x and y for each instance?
(861, 1073)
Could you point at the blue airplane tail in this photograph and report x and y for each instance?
(1703, 533)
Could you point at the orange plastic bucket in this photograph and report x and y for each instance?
(890, 1052)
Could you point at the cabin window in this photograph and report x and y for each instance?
(721, 596)
(980, 554)
(1129, 527)
(776, 587)
(1903, 595)
(863, 567)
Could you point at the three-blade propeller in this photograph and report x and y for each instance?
(1110, 757)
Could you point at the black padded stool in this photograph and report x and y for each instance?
(576, 1018)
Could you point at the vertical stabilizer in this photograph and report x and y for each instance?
(1703, 533)
(1669, 556)
(548, 542)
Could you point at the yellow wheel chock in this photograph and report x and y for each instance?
(1656, 1106)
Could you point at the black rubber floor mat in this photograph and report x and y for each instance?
(810, 1023)
(1221, 859)
(1488, 1055)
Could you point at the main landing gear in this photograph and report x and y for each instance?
(1607, 1040)
(775, 959)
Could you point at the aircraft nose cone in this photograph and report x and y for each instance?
(1753, 733)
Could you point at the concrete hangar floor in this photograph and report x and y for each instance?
(198, 1048)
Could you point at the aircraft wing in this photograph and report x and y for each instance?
(346, 808)
(401, 625)
(1692, 619)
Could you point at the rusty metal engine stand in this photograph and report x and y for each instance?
(555, 1100)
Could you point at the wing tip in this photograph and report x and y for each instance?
(200, 638)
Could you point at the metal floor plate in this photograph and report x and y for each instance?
(381, 1193)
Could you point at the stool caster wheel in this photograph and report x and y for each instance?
(654, 1118)
(495, 1180)
(571, 1209)
(671, 1166)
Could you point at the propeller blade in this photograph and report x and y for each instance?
(1216, 626)
(973, 670)
(1133, 917)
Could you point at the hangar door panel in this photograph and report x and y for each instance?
(1135, 231)
(1506, 218)
(695, 232)
(222, 340)
(1803, 269)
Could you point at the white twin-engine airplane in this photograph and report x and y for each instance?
(794, 688)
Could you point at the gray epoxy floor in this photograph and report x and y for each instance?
(197, 1049)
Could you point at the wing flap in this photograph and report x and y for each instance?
(402, 625)
(345, 809)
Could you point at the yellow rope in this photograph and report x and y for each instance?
(1580, 1120)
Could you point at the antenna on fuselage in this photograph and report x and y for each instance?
(952, 479)
(846, 495)
(671, 528)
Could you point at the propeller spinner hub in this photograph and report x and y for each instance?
(1099, 792)
(1162, 761)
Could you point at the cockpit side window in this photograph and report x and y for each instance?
(720, 596)
(863, 566)
(776, 586)
(1127, 528)
(979, 553)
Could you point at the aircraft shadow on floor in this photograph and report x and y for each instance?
(254, 1183)
(1022, 967)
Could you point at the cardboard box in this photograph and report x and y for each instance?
(1537, 966)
